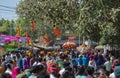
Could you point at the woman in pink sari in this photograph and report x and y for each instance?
(15, 72)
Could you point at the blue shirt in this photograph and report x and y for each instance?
(80, 76)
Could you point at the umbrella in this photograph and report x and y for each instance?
(69, 45)
(99, 47)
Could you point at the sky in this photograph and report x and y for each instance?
(7, 9)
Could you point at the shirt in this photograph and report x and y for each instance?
(108, 65)
(80, 76)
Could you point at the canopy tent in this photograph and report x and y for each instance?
(99, 47)
(91, 43)
(9, 48)
(7, 38)
(69, 44)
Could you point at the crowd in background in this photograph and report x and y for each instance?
(60, 64)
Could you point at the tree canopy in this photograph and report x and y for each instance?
(50, 13)
(7, 27)
(97, 20)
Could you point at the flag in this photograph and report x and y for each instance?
(33, 24)
(28, 42)
(27, 35)
(57, 31)
(18, 31)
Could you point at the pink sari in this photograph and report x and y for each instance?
(15, 72)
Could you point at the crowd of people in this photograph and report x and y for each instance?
(60, 64)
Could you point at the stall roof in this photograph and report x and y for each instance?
(60, 42)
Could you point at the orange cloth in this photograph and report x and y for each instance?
(57, 31)
(1, 69)
(33, 24)
(18, 31)
(14, 63)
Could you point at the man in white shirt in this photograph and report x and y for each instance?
(108, 65)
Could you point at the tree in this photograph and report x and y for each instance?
(99, 20)
(49, 13)
(7, 27)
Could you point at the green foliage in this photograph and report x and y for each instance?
(99, 20)
(7, 27)
(48, 13)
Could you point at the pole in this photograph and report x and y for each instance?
(79, 39)
(83, 39)
(10, 30)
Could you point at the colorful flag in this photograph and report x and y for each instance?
(57, 31)
(28, 42)
(27, 35)
(18, 31)
(33, 24)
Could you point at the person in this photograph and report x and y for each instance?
(34, 71)
(108, 65)
(19, 61)
(5, 75)
(54, 72)
(8, 57)
(21, 76)
(60, 61)
(111, 57)
(9, 69)
(40, 72)
(92, 63)
(100, 61)
(1, 69)
(90, 72)
(40, 61)
(27, 72)
(115, 61)
(32, 60)
(80, 60)
(81, 71)
(4, 64)
(14, 61)
(74, 63)
(67, 74)
(84, 60)
(65, 64)
(101, 73)
(15, 71)
(116, 70)
(24, 62)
